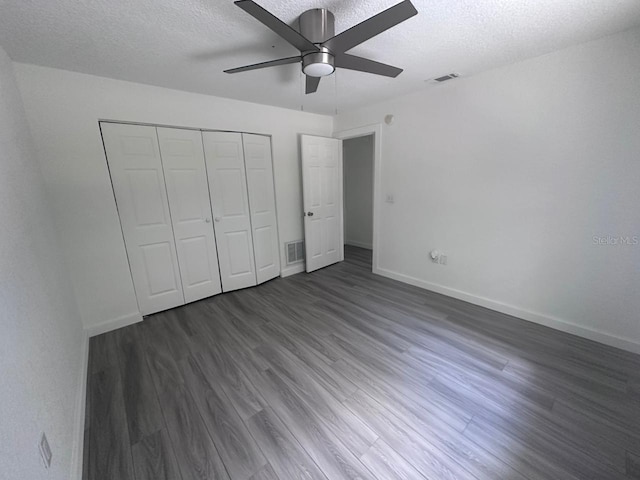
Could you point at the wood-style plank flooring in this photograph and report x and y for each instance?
(341, 374)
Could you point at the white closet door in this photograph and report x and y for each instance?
(262, 203)
(322, 193)
(139, 186)
(230, 204)
(188, 192)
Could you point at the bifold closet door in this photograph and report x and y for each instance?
(262, 205)
(229, 200)
(188, 192)
(139, 187)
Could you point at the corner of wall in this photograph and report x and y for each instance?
(292, 270)
(113, 324)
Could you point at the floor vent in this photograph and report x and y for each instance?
(295, 251)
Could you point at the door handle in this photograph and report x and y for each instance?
(309, 214)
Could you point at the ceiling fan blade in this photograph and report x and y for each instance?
(371, 27)
(277, 25)
(270, 63)
(312, 84)
(351, 62)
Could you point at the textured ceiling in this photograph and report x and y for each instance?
(186, 44)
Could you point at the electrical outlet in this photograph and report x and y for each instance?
(390, 198)
(45, 451)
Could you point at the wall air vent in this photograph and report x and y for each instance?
(295, 251)
(444, 78)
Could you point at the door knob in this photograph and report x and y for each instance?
(208, 220)
(310, 214)
(216, 219)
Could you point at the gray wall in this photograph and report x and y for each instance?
(40, 344)
(358, 191)
(63, 109)
(523, 176)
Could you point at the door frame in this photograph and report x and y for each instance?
(375, 130)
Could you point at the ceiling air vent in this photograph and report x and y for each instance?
(444, 78)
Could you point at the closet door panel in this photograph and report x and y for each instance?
(262, 202)
(188, 192)
(139, 186)
(230, 204)
(239, 248)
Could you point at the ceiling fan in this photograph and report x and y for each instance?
(321, 51)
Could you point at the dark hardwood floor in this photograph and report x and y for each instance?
(341, 374)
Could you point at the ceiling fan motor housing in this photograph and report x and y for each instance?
(317, 25)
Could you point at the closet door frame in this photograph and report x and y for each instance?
(144, 310)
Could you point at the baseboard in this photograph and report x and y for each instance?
(113, 324)
(77, 454)
(297, 268)
(368, 246)
(535, 317)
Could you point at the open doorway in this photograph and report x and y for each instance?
(358, 155)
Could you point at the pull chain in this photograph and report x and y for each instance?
(335, 82)
(302, 81)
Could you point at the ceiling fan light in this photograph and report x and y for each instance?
(318, 69)
(318, 64)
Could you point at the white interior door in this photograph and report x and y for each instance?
(262, 205)
(188, 192)
(322, 198)
(139, 186)
(229, 201)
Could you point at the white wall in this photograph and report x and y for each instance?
(512, 173)
(42, 339)
(358, 191)
(63, 109)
